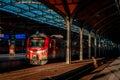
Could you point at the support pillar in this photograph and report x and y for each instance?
(103, 47)
(95, 45)
(89, 44)
(99, 47)
(81, 45)
(68, 51)
(108, 47)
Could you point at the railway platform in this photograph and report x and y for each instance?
(52, 71)
(111, 72)
(8, 57)
(10, 62)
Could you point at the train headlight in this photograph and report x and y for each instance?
(31, 51)
(41, 51)
(38, 52)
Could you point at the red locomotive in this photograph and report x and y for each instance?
(40, 48)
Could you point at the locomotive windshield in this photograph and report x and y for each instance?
(37, 42)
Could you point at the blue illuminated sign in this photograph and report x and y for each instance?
(20, 36)
(5, 36)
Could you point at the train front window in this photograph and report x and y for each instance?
(37, 42)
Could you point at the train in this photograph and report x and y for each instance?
(41, 48)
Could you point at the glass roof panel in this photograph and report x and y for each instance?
(48, 16)
(37, 12)
(29, 14)
(22, 6)
(3, 9)
(12, 8)
(6, 1)
(34, 5)
(33, 10)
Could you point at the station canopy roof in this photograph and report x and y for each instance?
(35, 10)
(102, 16)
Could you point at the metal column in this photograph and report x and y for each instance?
(68, 52)
(95, 45)
(99, 47)
(105, 49)
(89, 44)
(81, 45)
(102, 46)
